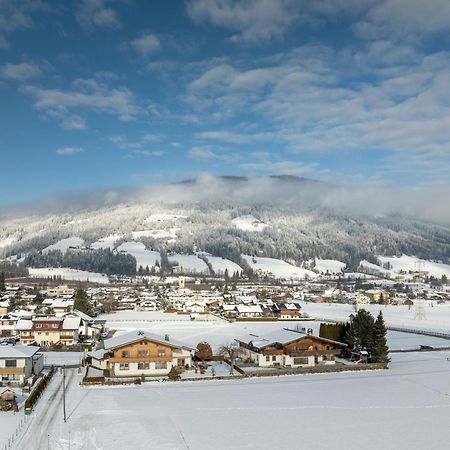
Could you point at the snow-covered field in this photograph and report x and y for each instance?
(279, 268)
(106, 242)
(329, 265)
(143, 256)
(64, 244)
(219, 265)
(437, 318)
(68, 274)
(190, 263)
(156, 234)
(410, 263)
(249, 223)
(404, 408)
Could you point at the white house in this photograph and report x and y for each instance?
(19, 363)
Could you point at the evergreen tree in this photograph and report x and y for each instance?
(359, 336)
(380, 349)
(82, 303)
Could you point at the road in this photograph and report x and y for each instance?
(48, 414)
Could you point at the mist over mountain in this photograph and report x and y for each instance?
(286, 217)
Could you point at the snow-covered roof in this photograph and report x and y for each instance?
(71, 323)
(24, 324)
(248, 309)
(282, 336)
(18, 351)
(137, 335)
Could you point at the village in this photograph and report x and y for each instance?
(41, 318)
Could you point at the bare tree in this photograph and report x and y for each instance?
(231, 351)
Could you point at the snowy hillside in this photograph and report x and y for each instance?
(285, 219)
(64, 244)
(143, 256)
(278, 268)
(69, 274)
(249, 223)
(329, 266)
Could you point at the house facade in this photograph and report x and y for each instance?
(19, 363)
(141, 354)
(49, 331)
(289, 348)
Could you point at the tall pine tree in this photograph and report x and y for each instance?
(380, 352)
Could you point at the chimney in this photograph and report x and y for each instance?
(166, 338)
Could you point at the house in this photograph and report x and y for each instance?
(4, 306)
(7, 325)
(289, 348)
(287, 311)
(248, 311)
(19, 363)
(140, 353)
(60, 290)
(48, 331)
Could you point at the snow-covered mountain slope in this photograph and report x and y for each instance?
(285, 218)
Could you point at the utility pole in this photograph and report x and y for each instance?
(64, 392)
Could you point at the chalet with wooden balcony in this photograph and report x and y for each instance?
(19, 363)
(49, 331)
(289, 348)
(140, 353)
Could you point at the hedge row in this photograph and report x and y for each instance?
(39, 388)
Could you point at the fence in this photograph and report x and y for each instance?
(16, 432)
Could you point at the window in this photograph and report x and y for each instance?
(267, 358)
(142, 353)
(161, 352)
(124, 366)
(143, 366)
(124, 354)
(274, 358)
(160, 365)
(10, 363)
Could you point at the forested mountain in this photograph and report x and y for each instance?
(289, 218)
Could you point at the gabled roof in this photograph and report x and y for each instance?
(136, 336)
(18, 351)
(284, 336)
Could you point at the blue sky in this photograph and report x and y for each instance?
(98, 93)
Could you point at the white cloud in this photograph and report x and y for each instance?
(202, 153)
(20, 71)
(74, 122)
(252, 20)
(405, 18)
(85, 94)
(96, 14)
(67, 151)
(146, 45)
(232, 137)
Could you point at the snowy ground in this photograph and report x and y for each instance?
(163, 217)
(249, 223)
(156, 234)
(7, 241)
(278, 267)
(64, 244)
(329, 265)
(190, 263)
(406, 407)
(106, 242)
(437, 317)
(143, 256)
(68, 274)
(219, 265)
(62, 358)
